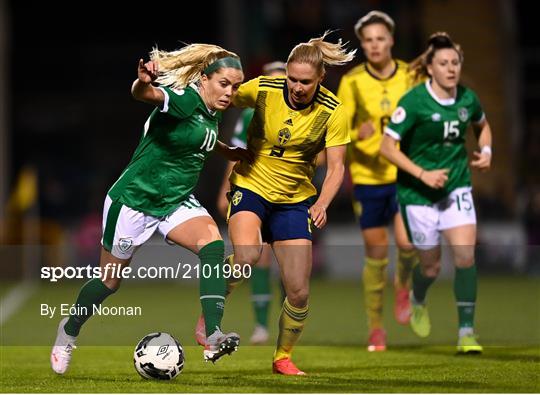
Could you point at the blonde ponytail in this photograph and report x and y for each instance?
(319, 53)
(184, 66)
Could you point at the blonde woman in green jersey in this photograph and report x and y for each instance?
(155, 191)
(434, 179)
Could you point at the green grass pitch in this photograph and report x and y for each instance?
(331, 350)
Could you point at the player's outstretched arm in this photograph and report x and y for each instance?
(142, 88)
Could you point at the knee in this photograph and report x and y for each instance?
(431, 271)
(406, 248)
(463, 256)
(298, 297)
(464, 261)
(247, 255)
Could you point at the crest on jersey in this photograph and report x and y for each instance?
(436, 117)
(463, 114)
(284, 135)
(237, 198)
(386, 104)
(125, 243)
(399, 115)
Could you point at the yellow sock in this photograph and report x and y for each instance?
(405, 264)
(232, 282)
(374, 277)
(291, 324)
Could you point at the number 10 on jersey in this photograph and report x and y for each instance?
(209, 140)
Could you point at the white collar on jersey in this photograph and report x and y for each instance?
(442, 102)
(196, 88)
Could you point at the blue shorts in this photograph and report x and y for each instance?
(279, 221)
(375, 205)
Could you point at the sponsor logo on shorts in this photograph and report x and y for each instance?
(419, 237)
(125, 243)
(237, 198)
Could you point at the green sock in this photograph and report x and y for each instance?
(260, 293)
(212, 287)
(465, 293)
(94, 292)
(420, 284)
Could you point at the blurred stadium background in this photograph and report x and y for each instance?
(68, 124)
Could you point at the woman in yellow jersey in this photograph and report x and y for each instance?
(369, 93)
(261, 294)
(273, 198)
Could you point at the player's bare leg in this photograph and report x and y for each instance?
(294, 258)
(92, 293)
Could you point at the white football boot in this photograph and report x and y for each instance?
(62, 349)
(219, 344)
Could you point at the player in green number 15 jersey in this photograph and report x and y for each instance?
(434, 181)
(154, 193)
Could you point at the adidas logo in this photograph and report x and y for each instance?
(288, 122)
(293, 330)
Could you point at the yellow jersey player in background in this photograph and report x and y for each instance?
(370, 93)
(273, 199)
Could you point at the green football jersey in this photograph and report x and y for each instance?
(431, 132)
(239, 138)
(165, 168)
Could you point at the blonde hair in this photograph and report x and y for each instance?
(181, 67)
(319, 53)
(438, 40)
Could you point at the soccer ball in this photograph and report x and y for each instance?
(158, 356)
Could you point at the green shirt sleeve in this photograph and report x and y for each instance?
(239, 138)
(179, 103)
(403, 118)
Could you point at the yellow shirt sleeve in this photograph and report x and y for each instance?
(247, 94)
(337, 132)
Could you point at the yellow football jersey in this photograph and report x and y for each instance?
(368, 98)
(286, 141)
